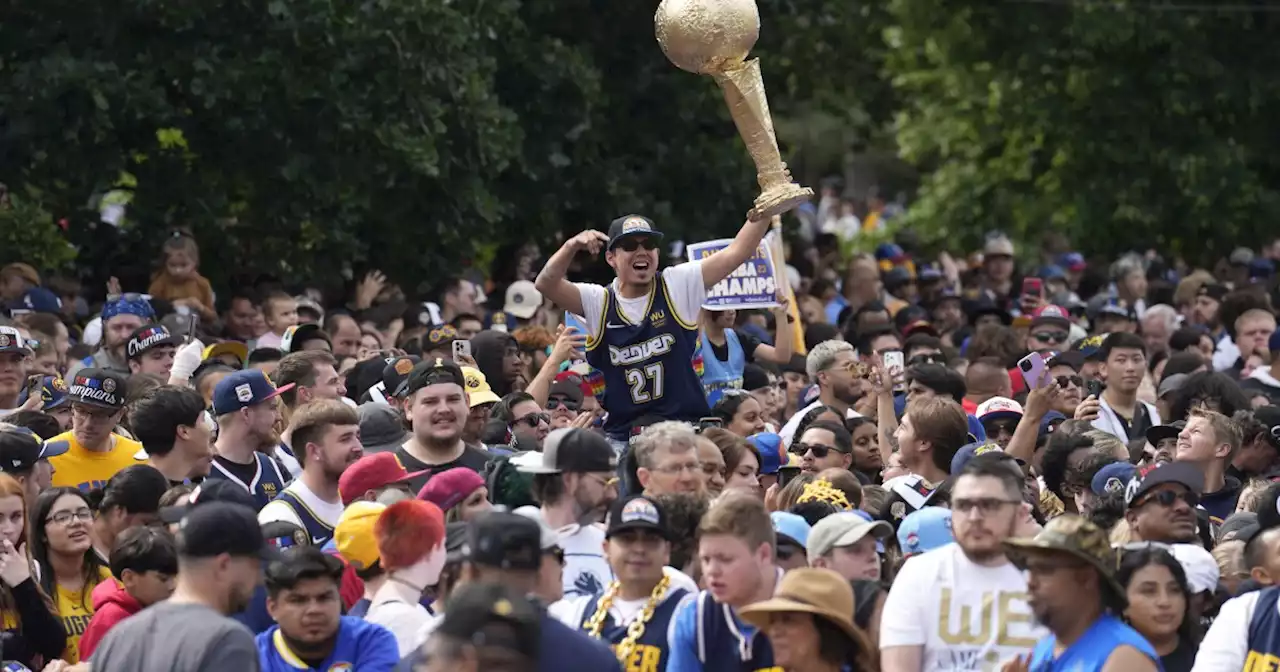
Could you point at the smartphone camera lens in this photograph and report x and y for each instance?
(1026, 366)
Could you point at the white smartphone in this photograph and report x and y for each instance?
(894, 367)
(461, 349)
(1032, 369)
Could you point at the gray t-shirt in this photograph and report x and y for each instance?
(177, 638)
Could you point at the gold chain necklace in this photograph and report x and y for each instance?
(634, 631)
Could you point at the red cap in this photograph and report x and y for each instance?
(370, 473)
(448, 488)
(579, 379)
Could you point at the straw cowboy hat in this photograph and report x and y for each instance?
(820, 592)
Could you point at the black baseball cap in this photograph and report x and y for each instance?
(210, 491)
(1269, 416)
(149, 336)
(637, 512)
(396, 371)
(1182, 473)
(573, 451)
(568, 389)
(296, 336)
(1161, 432)
(222, 527)
(432, 372)
(474, 608)
(632, 225)
(1269, 507)
(21, 449)
(505, 541)
(103, 388)
(754, 377)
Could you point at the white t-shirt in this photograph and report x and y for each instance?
(684, 282)
(586, 572)
(1226, 645)
(965, 615)
(573, 611)
(326, 512)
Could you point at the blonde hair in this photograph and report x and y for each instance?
(1230, 558)
(1251, 494)
(844, 481)
(180, 241)
(873, 497)
(1121, 534)
(1225, 430)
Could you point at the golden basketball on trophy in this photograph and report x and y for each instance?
(713, 37)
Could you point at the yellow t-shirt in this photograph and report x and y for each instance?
(76, 612)
(86, 470)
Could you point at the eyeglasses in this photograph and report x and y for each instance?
(1050, 336)
(533, 419)
(819, 451)
(984, 505)
(633, 244)
(554, 403)
(1168, 497)
(82, 514)
(1074, 380)
(606, 482)
(691, 467)
(930, 358)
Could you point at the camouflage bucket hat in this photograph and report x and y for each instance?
(1075, 536)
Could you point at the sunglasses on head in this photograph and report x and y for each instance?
(819, 451)
(1050, 336)
(534, 419)
(554, 403)
(633, 244)
(1168, 497)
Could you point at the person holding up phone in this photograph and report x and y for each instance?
(726, 351)
(643, 325)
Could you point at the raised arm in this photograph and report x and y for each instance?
(551, 281)
(781, 349)
(718, 266)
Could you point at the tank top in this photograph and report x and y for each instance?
(267, 481)
(319, 531)
(723, 646)
(650, 653)
(1090, 652)
(647, 366)
(717, 375)
(1264, 632)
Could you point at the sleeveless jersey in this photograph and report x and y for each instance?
(320, 531)
(1264, 632)
(650, 653)
(717, 375)
(1090, 652)
(722, 644)
(646, 366)
(268, 481)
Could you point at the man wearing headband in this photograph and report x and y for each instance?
(644, 325)
(120, 318)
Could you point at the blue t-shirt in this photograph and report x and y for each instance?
(361, 645)
(1090, 652)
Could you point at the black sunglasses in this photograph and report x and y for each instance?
(633, 244)
(534, 419)
(931, 358)
(819, 451)
(1050, 336)
(1168, 497)
(553, 404)
(1074, 380)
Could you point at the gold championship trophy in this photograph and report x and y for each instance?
(713, 37)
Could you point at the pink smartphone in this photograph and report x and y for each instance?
(1032, 369)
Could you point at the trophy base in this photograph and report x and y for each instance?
(780, 199)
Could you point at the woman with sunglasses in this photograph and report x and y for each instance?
(740, 413)
(1156, 587)
(62, 547)
(32, 630)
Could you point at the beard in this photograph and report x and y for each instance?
(589, 510)
(847, 393)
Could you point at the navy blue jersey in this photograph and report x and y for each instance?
(707, 636)
(650, 653)
(267, 481)
(320, 531)
(647, 366)
(1264, 632)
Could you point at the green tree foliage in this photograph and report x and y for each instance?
(305, 137)
(1117, 124)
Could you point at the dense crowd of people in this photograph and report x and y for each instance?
(994, 461)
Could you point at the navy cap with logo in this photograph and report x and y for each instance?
(243, 389)
(282, 534)
(505, 541)
(573, 451)
(21, 449)
(53, 394)
(208, 492)
(222, 527)
(11, 340)
(1182, 473)
(149, 336)
(432, 372)
(636, 513)
(628, 226)
(103, 388)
